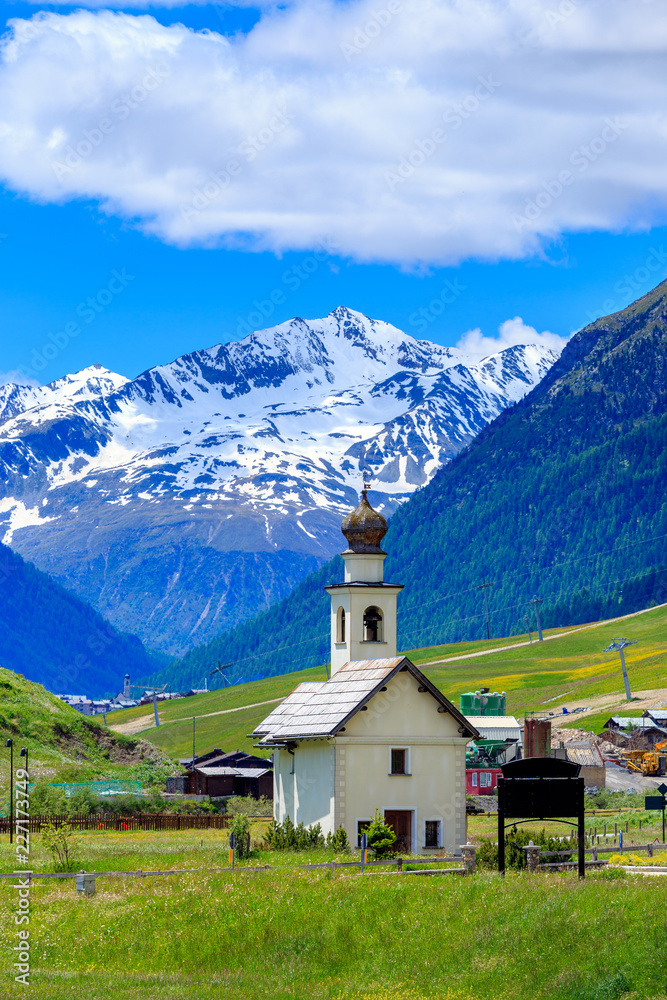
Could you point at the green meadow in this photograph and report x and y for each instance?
(295, 935)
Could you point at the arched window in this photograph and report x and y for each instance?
(340, 625)
(372, 624)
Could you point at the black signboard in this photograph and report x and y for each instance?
(540, 788)
(658, 802)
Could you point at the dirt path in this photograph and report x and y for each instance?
(144, 722)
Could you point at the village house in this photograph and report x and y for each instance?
(378, 734)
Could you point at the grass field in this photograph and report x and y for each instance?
(295, 936)
(569, 669)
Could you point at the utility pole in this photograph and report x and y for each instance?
(530, 637)
(193, 743)
(10, 744)
(617, 646)
(485, 586)
(537, 601)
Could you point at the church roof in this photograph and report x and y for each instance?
(317, 710)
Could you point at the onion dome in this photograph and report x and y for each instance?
(364, 528)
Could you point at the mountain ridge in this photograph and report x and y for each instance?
(184, 500)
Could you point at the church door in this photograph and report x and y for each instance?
(400, 820)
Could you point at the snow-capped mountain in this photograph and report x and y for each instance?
(187, 499)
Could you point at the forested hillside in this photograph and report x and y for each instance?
(562, 496)
(52, 637)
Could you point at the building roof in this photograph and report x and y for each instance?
(320, 709)
(624, 721)
(496, 727)
(237, 772)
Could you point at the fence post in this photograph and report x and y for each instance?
(468, 852)
(399, 866)
(85, 884)
(532, 856)
(649, 850)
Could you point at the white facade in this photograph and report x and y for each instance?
(342, 780)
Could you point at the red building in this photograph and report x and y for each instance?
(482, 780)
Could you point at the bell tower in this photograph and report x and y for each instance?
(363, 606)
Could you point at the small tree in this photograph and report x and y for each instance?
(47, 800)
(338, 841)
(381, 837)
(240, 827)
(59, 841)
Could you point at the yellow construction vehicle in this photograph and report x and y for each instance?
(648, 762)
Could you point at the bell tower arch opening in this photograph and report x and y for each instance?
(373, 621)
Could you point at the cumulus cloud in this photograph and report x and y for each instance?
(510, 333)
(16, 377)
(421, 132)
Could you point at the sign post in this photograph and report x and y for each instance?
(232, 849)
(364, 850)
(541, 788)
(658, 802)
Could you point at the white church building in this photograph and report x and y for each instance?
(378, 734)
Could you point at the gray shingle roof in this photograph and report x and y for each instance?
(317, 709)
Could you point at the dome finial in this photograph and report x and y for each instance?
(364, 528)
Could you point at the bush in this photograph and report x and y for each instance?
(83, 802)
(240, 827)
(46, 800)
(381, 837)
(60, 843)
(338, 841)
(251, 807)
(287, 837)
(515, 857)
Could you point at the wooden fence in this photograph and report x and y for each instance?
(113, 821)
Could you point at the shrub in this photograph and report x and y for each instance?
(515, 840)
(381, 837)
(47, 800)
(83, 802)
(240, 827)
(287, 837)
(338, 841)
(251, 807)
(59, 842)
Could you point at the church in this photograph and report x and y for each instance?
(377, 734)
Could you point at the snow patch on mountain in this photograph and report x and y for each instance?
(252, 446)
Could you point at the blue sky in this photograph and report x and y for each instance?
(458, 230)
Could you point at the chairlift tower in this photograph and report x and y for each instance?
(618, 645)
(220, 669)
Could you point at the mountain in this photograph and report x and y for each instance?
(55, 639)
(563, 496)
(184, 501)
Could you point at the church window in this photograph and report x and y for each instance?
(399, 760)
(432, 833)
(372, 624)
(340, 625)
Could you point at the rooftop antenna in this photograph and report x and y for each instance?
(220, 669)
(617, 646)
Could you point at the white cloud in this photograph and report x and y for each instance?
(16, 377)
(510, 333)
(423, 131)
